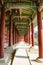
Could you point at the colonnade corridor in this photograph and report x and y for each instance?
(20, 44)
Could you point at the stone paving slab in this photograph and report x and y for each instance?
(33, 55)
(20, 61)
(21, 57)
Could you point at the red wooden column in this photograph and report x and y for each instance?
(17, 36)
(32, 28)
(2, 31)
(29, 34)
(10, 30)
(30, 37)
(14, 34)
(7, 36)
(40, 34)
(26, 37)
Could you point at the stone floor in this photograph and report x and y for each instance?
(21, 56)
(26, 55)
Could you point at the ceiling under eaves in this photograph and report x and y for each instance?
(23, 11)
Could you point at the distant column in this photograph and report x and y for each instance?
(2, 31)
(32, 28)
(17, 35)
(29, 34)
(10, 30)
(13, 34)
(26, 39)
